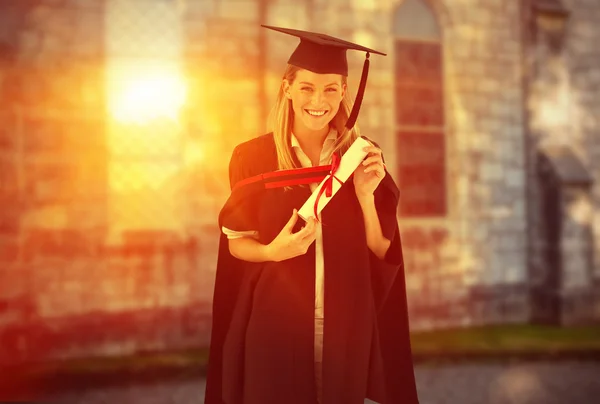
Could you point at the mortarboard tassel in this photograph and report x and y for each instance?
(359, 95)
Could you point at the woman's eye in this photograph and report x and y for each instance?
(332, 90)
(306, 89)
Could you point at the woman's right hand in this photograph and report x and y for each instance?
(289, 245)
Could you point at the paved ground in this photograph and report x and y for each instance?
(535, 383)
(527, 383)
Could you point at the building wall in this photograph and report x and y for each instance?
(563, 97)
(67, 290)
(469, 267)
(474, 265)
(582, 60)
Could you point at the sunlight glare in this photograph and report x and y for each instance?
(142, 97)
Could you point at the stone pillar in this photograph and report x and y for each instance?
(564, 293)
(225, 107)
(577, 255)
(582, 55)
(10, 214)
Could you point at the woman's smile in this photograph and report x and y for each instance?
(316, 112)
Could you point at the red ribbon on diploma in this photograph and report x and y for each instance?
(328, 184)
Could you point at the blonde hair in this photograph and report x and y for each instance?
(281, 121)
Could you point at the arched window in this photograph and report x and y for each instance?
(419, 100)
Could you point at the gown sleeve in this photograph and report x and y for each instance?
(384, 271)
(232, 234)
(389, 283)
(239, 214)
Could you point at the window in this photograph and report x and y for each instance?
(419, 100)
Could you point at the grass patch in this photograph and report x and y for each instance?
(507, 338)
(494, 341)
(179, 362)
(173, 360)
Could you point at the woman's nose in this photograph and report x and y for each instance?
(316, 98)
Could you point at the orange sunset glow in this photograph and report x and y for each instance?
(141, 94)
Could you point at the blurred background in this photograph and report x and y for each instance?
(117, 122)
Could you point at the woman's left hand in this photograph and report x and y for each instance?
(369, 174)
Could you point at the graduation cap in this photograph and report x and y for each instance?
(325, 54)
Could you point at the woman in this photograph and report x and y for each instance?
(310, 312)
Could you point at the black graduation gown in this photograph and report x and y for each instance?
(262, 343)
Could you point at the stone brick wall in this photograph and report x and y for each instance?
(482, 244)
(55, 105)
(577, 244)
(545, 99)
(118, 301)
(77, 280)
(223, 58)
(149, 289)
(66, 288)
(225, 106)
(564, 80)
(54, 169)
(582, 59)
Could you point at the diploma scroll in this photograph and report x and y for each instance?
(349, 162)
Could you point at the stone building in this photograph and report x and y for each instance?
(485, 111)
(119, 118)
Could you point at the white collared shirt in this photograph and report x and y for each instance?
(324, 159)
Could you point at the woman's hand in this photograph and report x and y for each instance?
(369, 174)
(289, 245)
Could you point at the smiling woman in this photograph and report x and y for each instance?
(314, 96)
(307, 105)
(270, 340)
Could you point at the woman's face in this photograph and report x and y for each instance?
(315, 98)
